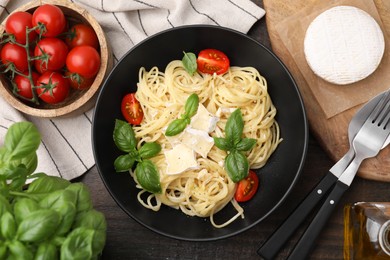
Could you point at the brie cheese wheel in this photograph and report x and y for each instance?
(343, 45)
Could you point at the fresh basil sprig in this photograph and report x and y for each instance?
(189, 62)
(190, 108)
(145, 171)
(53, 217)
(236, 163)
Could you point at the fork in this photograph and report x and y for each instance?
(367, 143)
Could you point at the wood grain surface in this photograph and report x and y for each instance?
(331, 133)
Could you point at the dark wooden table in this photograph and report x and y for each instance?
(126, 239)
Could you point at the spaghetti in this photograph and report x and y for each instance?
(207, 189)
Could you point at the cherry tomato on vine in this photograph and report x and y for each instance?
(12, 53)
(77, 81)
(17, 23)
(53, 52)
(52, 87)
(212, 61)
(247, 187)
(131, 109)
(52, 17)
(23, 84)
(84, 60)
(82, 34)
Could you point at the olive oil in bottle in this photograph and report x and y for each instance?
(367, 230)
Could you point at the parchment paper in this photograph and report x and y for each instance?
(332, 98)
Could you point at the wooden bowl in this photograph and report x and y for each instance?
(78, 101)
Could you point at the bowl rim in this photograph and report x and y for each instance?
(86, 99)
(299, 167)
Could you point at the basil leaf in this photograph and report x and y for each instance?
(94, 220)
(3, 249)
(67, 211)
(148, 150)
(38, 226)
(30, 162)
(237, 166)
(148, 176)
(222, 143)
(83, 201)
(4, 205)
(24, 207)
(8, 226)
(46, 251)
(56, 198)
(124, 136)
(123, 163)
(22, 139)
(176, 127)
(18, 250)
(189, 62)
(46, 184)
(191, 105)
(246, 144)
(234, 127)
(78, 244)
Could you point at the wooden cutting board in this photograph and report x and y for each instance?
(331, 133)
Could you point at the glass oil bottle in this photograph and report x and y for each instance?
(367, 231)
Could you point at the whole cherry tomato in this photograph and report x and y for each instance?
(23, 84)
(17, 23)
(52, 17)
(52, 87)
(212, 61)
(131, 109)
(247, 187)
(12, 53)
(82, 34)
(77, 81)
(53, 52)
(84, 60)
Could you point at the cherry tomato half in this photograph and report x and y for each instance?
(23, 84)
(52, 17)
(82, 34)
(212, 61)
(12, 53)
(247, 187)
(16, 24)
(131, 109)
(84, 60)
(52, 87)
(56, 52)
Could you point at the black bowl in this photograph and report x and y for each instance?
(276, 179)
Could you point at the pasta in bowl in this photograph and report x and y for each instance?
(256, 83)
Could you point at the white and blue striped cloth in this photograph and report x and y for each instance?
(66, 148)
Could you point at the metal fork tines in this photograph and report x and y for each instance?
(369, 140)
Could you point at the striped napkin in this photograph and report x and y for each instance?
(66, 148)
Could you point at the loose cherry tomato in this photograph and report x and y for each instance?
(53, 52)
(77, 81)
(131, 109)
(52, 17)
(17, 23)
(12, 53)
(82, 34)
(52, 87)
(247, 187)
(84, 60)
(212, 61)
(23, 84)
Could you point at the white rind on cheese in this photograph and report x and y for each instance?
(344, 45)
